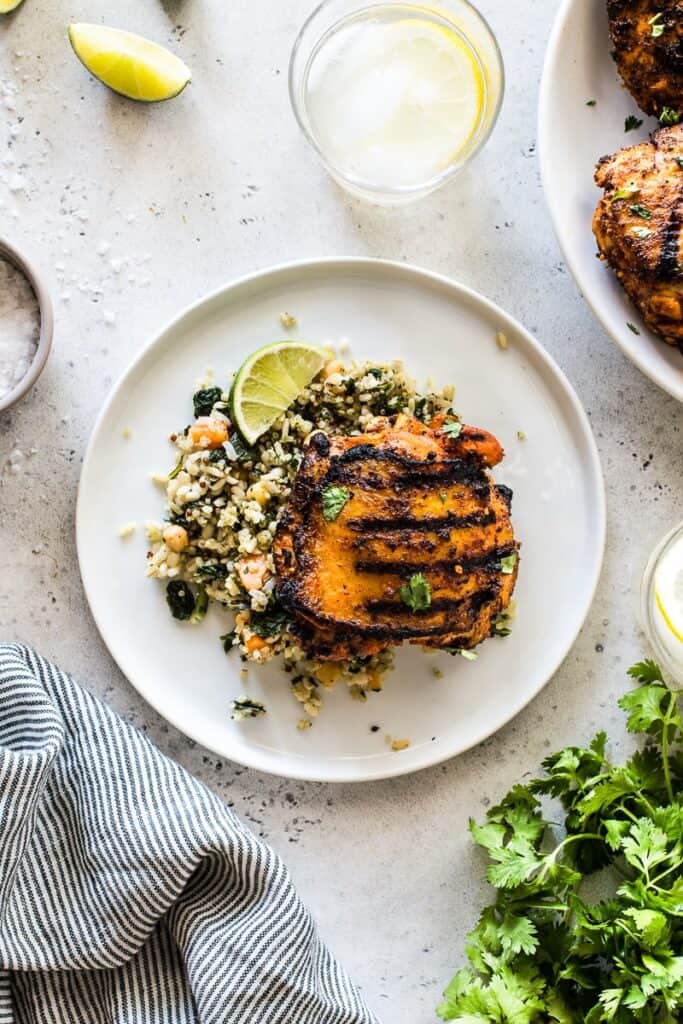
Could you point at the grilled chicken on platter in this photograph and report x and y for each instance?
(647, 36)
(638, 225)
(397, 534)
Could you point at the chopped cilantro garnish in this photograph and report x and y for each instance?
(632, 123)
(633, 328)
(452, 428)
(417, 593)
(591, 103)
(245, 707)
(468, 655)
(669, 116)
(443, 496)
(333, 500)
(625, 193)
(508, 563)
(657, 27)
(640, 211)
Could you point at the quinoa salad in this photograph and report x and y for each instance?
(223, 503)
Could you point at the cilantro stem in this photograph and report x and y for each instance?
(550, 860)
(648, 806)
(625, 810)
(665, 746)
(663, 874)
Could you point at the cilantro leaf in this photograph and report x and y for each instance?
(632, 123)
(334, 499)
(645, 706)
(625, 193)
(508, 563)
(669, 116)
(646, 671)
(452, 428)
(417, 593)
(542, 951)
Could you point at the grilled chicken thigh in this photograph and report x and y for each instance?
(638, 226)
(648, 49)
(412, 507)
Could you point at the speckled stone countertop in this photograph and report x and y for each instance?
(133, 212)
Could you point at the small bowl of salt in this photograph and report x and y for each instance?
(26, 325)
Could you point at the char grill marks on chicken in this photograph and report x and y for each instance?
(418, 503)
(647, 36)
(638, 225)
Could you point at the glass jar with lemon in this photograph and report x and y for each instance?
(395, 97)
(661, 604)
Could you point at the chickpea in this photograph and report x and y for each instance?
(332, 366)
(176, 538)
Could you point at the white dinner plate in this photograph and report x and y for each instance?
(572, 138)
(440, 329)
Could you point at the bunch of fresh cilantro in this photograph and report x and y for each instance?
(544, 952)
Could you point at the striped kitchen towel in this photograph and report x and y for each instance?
(129, 893)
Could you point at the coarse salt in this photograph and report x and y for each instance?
(19, 326)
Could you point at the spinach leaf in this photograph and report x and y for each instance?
(205, 399)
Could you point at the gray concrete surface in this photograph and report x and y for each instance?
(187, 195)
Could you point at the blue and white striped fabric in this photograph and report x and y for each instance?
(129, 894)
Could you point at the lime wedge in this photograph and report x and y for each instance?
(8, 5)
(129, 64)
(267, 383)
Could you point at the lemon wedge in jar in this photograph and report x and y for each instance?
(129, 64)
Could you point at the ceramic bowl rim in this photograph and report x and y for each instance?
(28, 268)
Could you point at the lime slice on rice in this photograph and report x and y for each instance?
(267, 383)
(129, 64)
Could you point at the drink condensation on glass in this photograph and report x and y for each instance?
(395, 97)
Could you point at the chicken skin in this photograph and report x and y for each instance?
(648, 48)
(394, 535)
(638, 226)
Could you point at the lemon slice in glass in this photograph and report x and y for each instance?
(129, 64)
(268, 382)
(8, 5)
(669, 591)
(396, 101)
